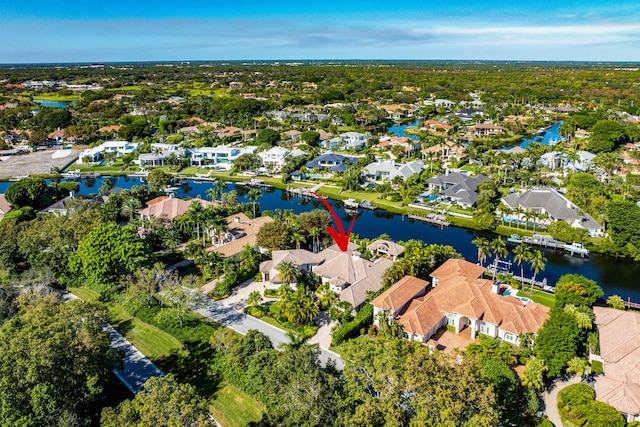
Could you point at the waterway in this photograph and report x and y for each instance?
(552, 136)
(398, 130)
(616, 276)
(57, 104)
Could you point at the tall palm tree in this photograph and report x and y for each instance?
(248, 258)
(219, 185)
(212, 193)
(287, 272)
(130, 207)
(299, 307)
(254, 299)
(499, 248)
(254, 194)
(484, 247)
(538, 263)
(521, 254)
(297, 238)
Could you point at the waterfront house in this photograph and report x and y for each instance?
(445, 151)
(457, 188)
(159, 154)
(484, 130)
(381, 170)
(408, 145)
(550, 203)
(387, 248)
(457, 297)
(119, 148)
(274, 157)
(169, 207)
(332, 162)
(240, 232)
(221, 157)
(347, 273)
(619, 385)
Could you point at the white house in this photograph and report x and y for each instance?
(388, 169)
(353, 140)
(120, 148)
(221, 157)
(275, 157)
(159, 153)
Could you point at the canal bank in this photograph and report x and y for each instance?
(616, 276)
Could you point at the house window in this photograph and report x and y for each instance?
(486, 329)
(510, 337)
(451, 320)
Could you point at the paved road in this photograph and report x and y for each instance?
(137, 368)
(550, 398)
(242, 323)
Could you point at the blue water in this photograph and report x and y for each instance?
(616, 276)
(58, 104)
(553, 134)
(398, 130)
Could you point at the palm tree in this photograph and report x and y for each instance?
(483, 246)
(171, 238)
(193, 250)
(299, 307)
(215, 227)
(254, 299)
(579, 366)
(130, 207)
(253, 195)
(533, 374)
(287, 272)
(499, 248)
(521, 254)
(298, 238)
(328, 297)
(219, 185)
(248, 258)
(212, 193)
(538, 263)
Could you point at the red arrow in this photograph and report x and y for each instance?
(341, 239)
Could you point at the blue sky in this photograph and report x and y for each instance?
(129, 30)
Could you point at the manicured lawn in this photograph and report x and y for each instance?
(232, 408)
(54, 97)
(540, 297)
(150, 340)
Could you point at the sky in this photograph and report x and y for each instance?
(39, 31)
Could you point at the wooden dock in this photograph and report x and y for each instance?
(432, 218)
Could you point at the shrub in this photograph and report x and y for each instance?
(363, 319)
(596, 367)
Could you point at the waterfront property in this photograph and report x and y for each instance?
(388, 169)
(221, 157)
(619, 386)
(118, 148)
(457, 188)
(332, 162)
(240, 232)
(274, 157)
(549, 202)
(347, 273)
(168, 208)
(458, 298)
(160, 153)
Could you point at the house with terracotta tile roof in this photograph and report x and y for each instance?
(619, 386)
(5, 207)
(169, 207)
(485, 129)
(241, 231)
(458, 297)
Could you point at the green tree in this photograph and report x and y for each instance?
(310, 137)
(508, 390)
(33, 192)
(521, 254)
(616, 302)
(606, 135)
(105, 254)
(130, 207)
(484, 247)
(274, 236)
(164, 402)
(157, 180)
(287, 272)
(578, 366)
(577, 290)
(268, 137)
(55, 360)
(177, 300)
(538, 263)
(254, 299)
(558, 341)
(254, 194)
(533, 374)
(299, 306)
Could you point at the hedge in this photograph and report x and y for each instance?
(596, 367)
(352, 329)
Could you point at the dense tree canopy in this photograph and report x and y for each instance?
(55, 358)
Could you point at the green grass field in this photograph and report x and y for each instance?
(232, 408)
(540, 297)
(150, 340)
(54, 97)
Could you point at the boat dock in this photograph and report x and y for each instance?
(549, 242)
(432, 218)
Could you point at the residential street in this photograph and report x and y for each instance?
(242, 323)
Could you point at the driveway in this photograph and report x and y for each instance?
(240, 322)
(550, 398)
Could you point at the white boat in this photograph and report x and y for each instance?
(576, 248)
(366, 204)
(71, 175)
(351, 204)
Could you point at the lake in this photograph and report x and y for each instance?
(57, 104)
(616, 276)
(552, 136)
(398, 130)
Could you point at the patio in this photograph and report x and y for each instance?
(446, 340)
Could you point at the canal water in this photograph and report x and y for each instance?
(551, 137)
(615, 276)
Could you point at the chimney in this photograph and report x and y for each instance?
(495, 288)
(237, 219)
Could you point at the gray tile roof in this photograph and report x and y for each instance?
(457, 186)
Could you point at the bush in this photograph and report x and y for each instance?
(596, 367)
(271, 293)
(363, 319)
